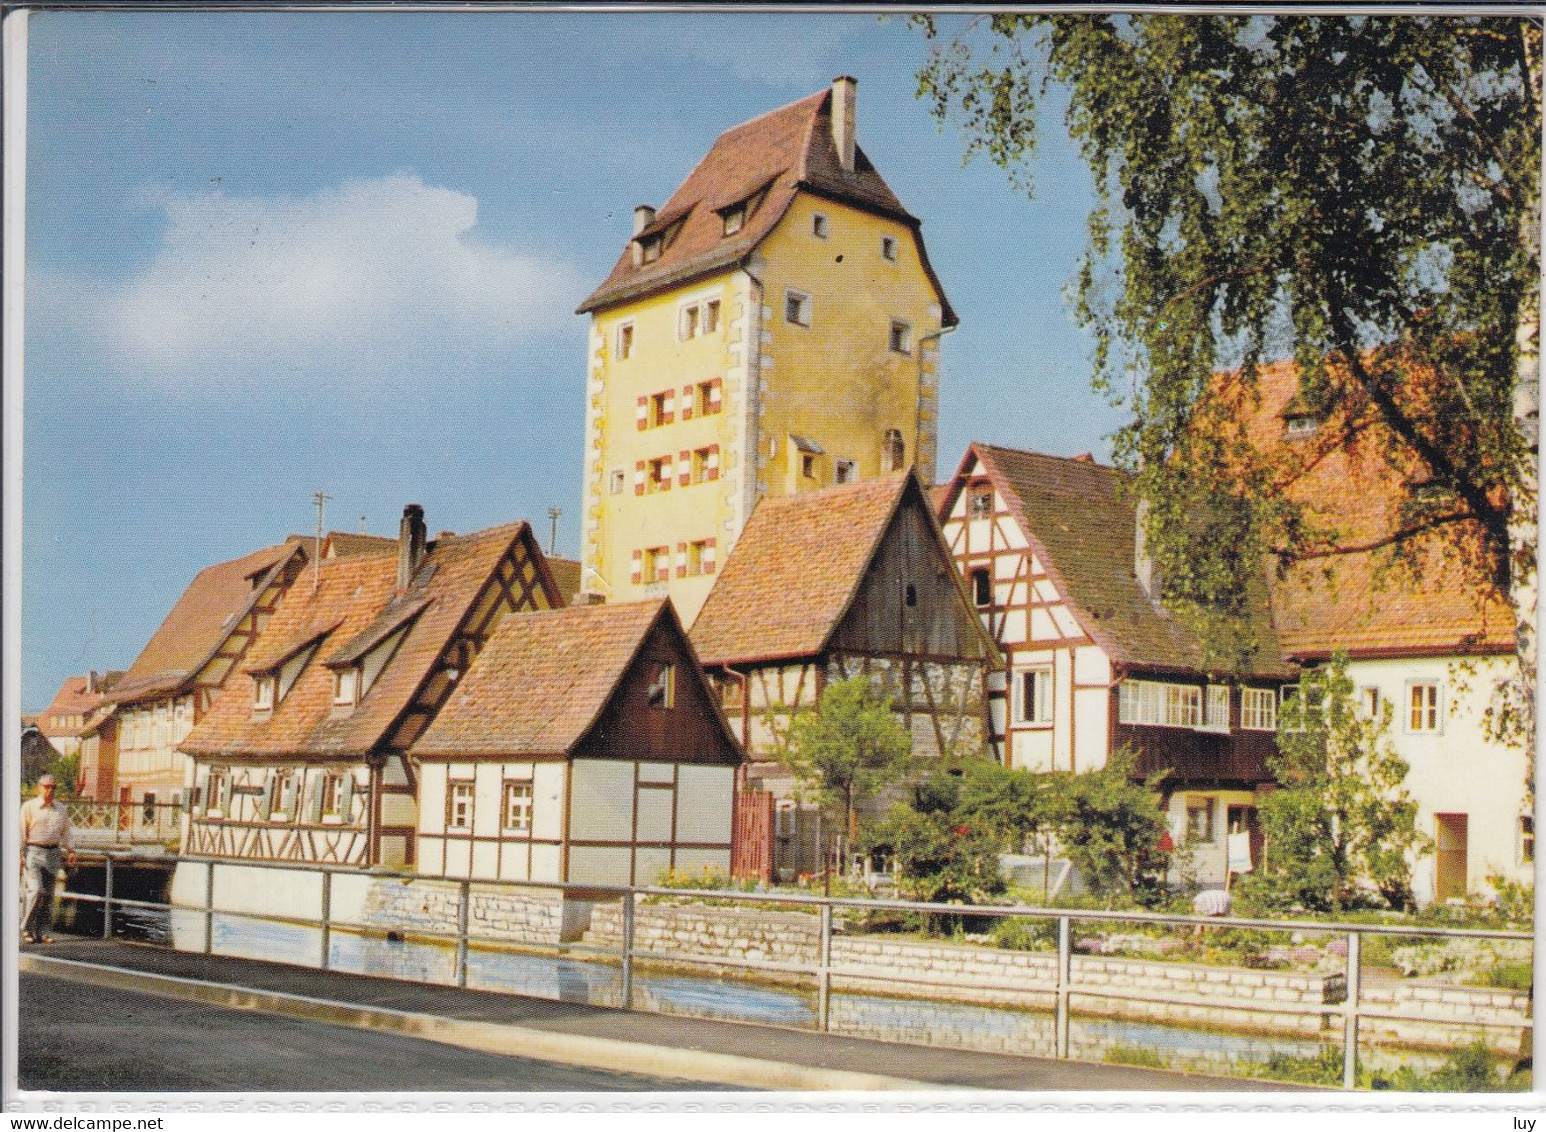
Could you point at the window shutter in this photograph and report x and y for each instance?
(684, 467)
(263, 802)
(287, 799)
(638, 567)
(713, 462)
(644, 413)
(314, 810)
(708, 557)
(716, 392)
(638, 478)
(665, 473)
(200, 789)
(681, 560)
(687, 402)
(346, 797)
(668, 414)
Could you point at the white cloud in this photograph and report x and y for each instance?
(372, 278)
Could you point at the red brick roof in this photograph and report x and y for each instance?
(201, 621)
(543, 680)
(354, 595)
(769, 158)
(1083, 531)
(1351, 483)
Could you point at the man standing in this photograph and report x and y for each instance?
(45, 839)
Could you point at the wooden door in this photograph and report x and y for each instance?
(1450, 856)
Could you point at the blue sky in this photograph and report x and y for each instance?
(271, 253)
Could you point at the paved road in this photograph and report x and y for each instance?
(98, 1040)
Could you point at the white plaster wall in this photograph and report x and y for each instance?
(600, 801)
(1456, 770)
(549, 783)
(1092, 709)
(704, 800)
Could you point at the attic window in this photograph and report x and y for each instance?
(843, 472)
(1300, 424)
(888, 248)
(892, 452)
(982, 586)
(651, 248)
(346, 686)
(735, 218)
(797, 308)
(263, 693)
(901, 338)
(819, 226)
(662, 690)
(982, 503)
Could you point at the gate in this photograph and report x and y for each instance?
(751, 844)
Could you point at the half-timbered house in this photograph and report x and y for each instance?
(1050, 551)
(584, 745)
(830, 584)
(304, 758)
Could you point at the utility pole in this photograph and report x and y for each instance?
(553, 514)
(320, 498)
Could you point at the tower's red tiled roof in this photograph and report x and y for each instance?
(203, 618)
(768, 160)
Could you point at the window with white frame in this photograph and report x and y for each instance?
(216, 791)
(1423, 707)
(700, 557)
(346, 685)
(1199, 820)
(337, 797)
(662, 690)
(283, 789)
(695, 319)
(687, 322)
(1160, 705)
(624, 340)
(263, 691)
(797, 308)
(1301, 424)
(1258, 709)
(1033, 695)
(459, 805)
(517, 805)
(901, 337)
(1216, 708)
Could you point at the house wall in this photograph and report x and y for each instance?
(484, 849)
(99, 763)
(836, 382)
(1457, 770)
(148, 735)
(240, 821)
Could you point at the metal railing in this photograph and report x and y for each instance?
(1063, 991)
(125, 823)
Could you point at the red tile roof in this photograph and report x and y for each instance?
(355, 594)
(201, 621)
(75, 697)
(772, 157)
(1083, 531)
(543, 680)
(566, 576)
(342, 544)
(1363, 603)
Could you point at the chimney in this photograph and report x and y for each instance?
(1143, 565)
(643, 217)
(410, 544)
(845, 90)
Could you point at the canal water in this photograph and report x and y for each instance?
(578, 978)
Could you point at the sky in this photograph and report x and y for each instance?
(275, 253)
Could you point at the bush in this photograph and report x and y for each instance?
(1018, 933)
(1514, 976)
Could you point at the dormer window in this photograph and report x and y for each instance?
(735, 219)
(651, 248)
(1300, 424)
(346, 686)
(263, 692)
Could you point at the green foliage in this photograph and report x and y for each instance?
(1145, 1056)
(940, 856)
(1360, 191)
(847, 750)
(1110, 827)
(65, 769)
(1342, 824)
(1021, 933)
(1516, 975)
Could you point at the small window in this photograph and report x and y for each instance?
(893, 452)
(517, 806)
(797, 308)
(700, 557)
(982, 586)
(624, 340)
(662, 689)
(652, 248)
(1423, 704)
(660, 563)
(1033, 696)
(1301, 424)
(711, 316)
(263, 692)
(217, 790)
(148, 813)
(335, 797)
(659, 474)
(1199, 820)
(901, 337)
(1369, 702)
(662, 409)
(707, 397)
(616, 481)
(687, 326)
(1526, 839)
(346, 685)
(1216, 708)
(459, 805)
(888, 248)
(735, 218)
(910, 595)
(1258, 709)
(843, 471)
(982, 503)
(282, 791)
(808, 466)
(819, 226)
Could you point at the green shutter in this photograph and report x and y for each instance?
(346, 797)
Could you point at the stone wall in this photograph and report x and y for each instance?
(518, 915)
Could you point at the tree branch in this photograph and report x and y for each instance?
(1394, 538)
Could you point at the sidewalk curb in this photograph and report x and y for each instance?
(487, 1037)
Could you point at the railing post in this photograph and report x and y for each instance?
(1065, 976)
(1350, 1009)
(462, 916)
(107, 898)
(327, 916)
(209, 907)
(628, 928)
(824, 975)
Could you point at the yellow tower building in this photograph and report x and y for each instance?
(773, 328)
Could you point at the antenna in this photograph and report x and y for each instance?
(362, 524)
(553, 514)
(320, 498)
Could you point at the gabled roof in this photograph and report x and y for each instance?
(1084, 531)
(356, 596)
(1351, 482)
(543, 680)
(77, 696)
(199, 624)
(566, 575)
(768, 160)
(796, 569)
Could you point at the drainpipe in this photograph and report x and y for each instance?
(918, 400)
(751, 442)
